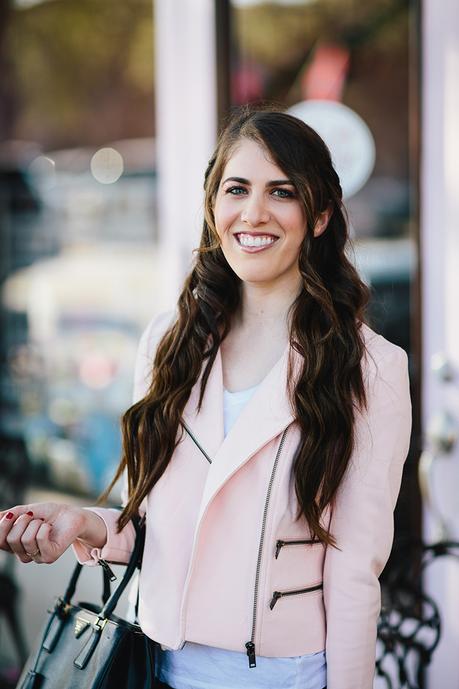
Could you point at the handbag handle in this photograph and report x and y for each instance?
(97, 626)
(71, 586)
(57, 619)
(134, 562)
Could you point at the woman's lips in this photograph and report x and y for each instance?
(254, 243)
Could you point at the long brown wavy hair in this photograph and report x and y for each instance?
(325, 323)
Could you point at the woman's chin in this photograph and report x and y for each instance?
(256, 277)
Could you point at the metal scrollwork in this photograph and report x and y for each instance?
(409, 626)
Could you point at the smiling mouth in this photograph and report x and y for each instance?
(255, 241)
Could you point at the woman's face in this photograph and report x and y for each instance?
(259, 218)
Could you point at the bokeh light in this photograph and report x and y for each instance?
(42, 171)
(107, 165)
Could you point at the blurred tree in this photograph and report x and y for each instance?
(84, 70)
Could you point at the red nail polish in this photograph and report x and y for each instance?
(10, 515)
(30, 514)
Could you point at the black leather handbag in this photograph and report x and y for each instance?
(86, 647)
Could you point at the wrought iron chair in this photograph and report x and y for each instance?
(409, 625)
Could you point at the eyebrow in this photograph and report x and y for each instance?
(271, 183)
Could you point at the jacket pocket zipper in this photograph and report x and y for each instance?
(307, 541)
(250, 645)
(279, 594)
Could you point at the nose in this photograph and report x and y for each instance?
(254, 212)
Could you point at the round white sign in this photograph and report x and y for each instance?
(350, 141)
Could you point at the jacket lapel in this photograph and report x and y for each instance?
(264, 417)
(207, 425)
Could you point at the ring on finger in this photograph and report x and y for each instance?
(32, 555)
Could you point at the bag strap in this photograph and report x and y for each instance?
(134, 561)
(71, 586)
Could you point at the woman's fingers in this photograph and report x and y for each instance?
(6, 522)
(15, 534)
(29, 539)
(40, 531)
(9, 517)
(14, 527)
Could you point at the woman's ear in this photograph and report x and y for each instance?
(322, 221)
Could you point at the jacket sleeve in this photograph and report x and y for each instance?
(362, 523)
(119, 545)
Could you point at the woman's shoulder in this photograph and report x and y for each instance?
(146, 351)
(380, 352)
(387, 386)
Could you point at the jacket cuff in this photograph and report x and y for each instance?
(118, 546)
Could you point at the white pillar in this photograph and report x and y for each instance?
(186, 124)
(440, 275)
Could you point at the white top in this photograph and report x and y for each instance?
(196, 666)
(232, 405)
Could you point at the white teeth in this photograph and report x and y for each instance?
(249, 240)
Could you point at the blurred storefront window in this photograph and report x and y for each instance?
(79, 275)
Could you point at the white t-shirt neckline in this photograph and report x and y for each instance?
(233, 403)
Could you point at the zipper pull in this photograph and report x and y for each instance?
(274, 599)
(250, 646)
(279, 545)
(108, 570)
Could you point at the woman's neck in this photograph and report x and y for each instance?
(264, 307)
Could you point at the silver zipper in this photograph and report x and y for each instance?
(196, 442)
(279, 594)
(250, 645)
(308, 541)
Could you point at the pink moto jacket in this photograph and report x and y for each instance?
(226, 565)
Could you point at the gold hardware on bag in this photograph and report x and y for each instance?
(100, 624)
(80, 626)
(61, 608)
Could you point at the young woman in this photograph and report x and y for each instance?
(266, 442)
